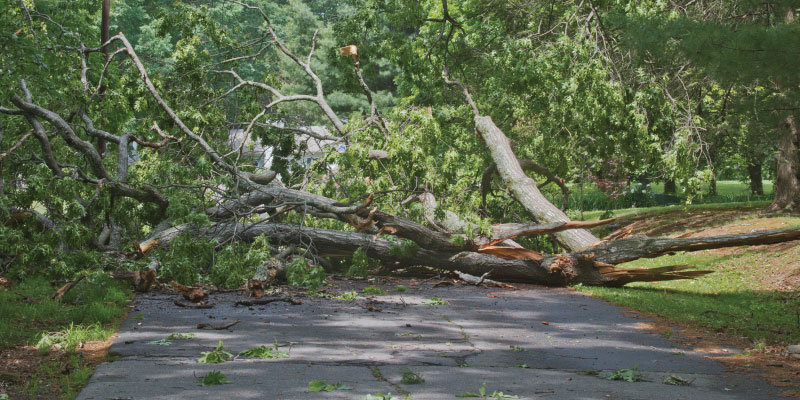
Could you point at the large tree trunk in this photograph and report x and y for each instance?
(669, 186)
(754, 172)
(524, 188)
(593, 266)
(712, 186)
(787, 182)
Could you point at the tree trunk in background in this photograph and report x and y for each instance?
(754, 171)
(524, 188)
(669, 186)
(787, 179)
(712, 186)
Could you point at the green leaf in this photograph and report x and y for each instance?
(216, 356)
(213, 378)
(317, 386)
(324, 386)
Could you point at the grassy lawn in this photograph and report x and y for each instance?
(753, 292)
(652, 211)
(724, 188)
(728, 192)
(44, 342)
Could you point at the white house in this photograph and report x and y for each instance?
(313, 145)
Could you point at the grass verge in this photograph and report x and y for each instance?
(49, 348)
(752, 294)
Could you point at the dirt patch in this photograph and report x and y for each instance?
(22, 364)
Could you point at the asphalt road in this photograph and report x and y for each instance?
(490, 336)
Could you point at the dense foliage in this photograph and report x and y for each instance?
(612, 96)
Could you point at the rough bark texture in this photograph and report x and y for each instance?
(639, 246)
(756, 184)
(486, 180)
(592, 266)
(787, 180)
(505, 231)
(669, 186)
(524, 188)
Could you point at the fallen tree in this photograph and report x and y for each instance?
(595, 265)
(251, 195)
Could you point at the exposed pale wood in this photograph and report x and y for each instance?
(594, 266)
(638, 246)
(524, 188)
(502, 232)
(66, 288)
(194, 294)
(511, 253)
(378, 154)
(622, 276)
(146, 247)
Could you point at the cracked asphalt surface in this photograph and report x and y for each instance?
(484, 335)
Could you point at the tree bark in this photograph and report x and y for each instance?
(712, 186)
(524, 188)
(787, 181)
(592, 266)
(669, 186)
(486, 180)
(754, 172)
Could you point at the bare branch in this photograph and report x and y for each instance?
(447, 80)
(16, 145)
(313, 44)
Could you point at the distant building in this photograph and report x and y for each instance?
(311, 148)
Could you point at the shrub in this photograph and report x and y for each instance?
(360, 264)
(298, 273)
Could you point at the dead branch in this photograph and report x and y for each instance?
(261, 302)
(217, 327)
(194, 294)
(193, 306)
(16, 145)
(66, 288)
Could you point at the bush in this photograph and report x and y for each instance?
(360, 264)
(298, 273)
(185, 258)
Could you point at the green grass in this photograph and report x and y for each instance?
(70, 374)
(87, 313)
(728, 191)
(96, 302)
(70, 337)
(725, 188)
(653, 211)
(373, 290)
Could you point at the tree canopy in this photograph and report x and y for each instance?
(430, 110)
